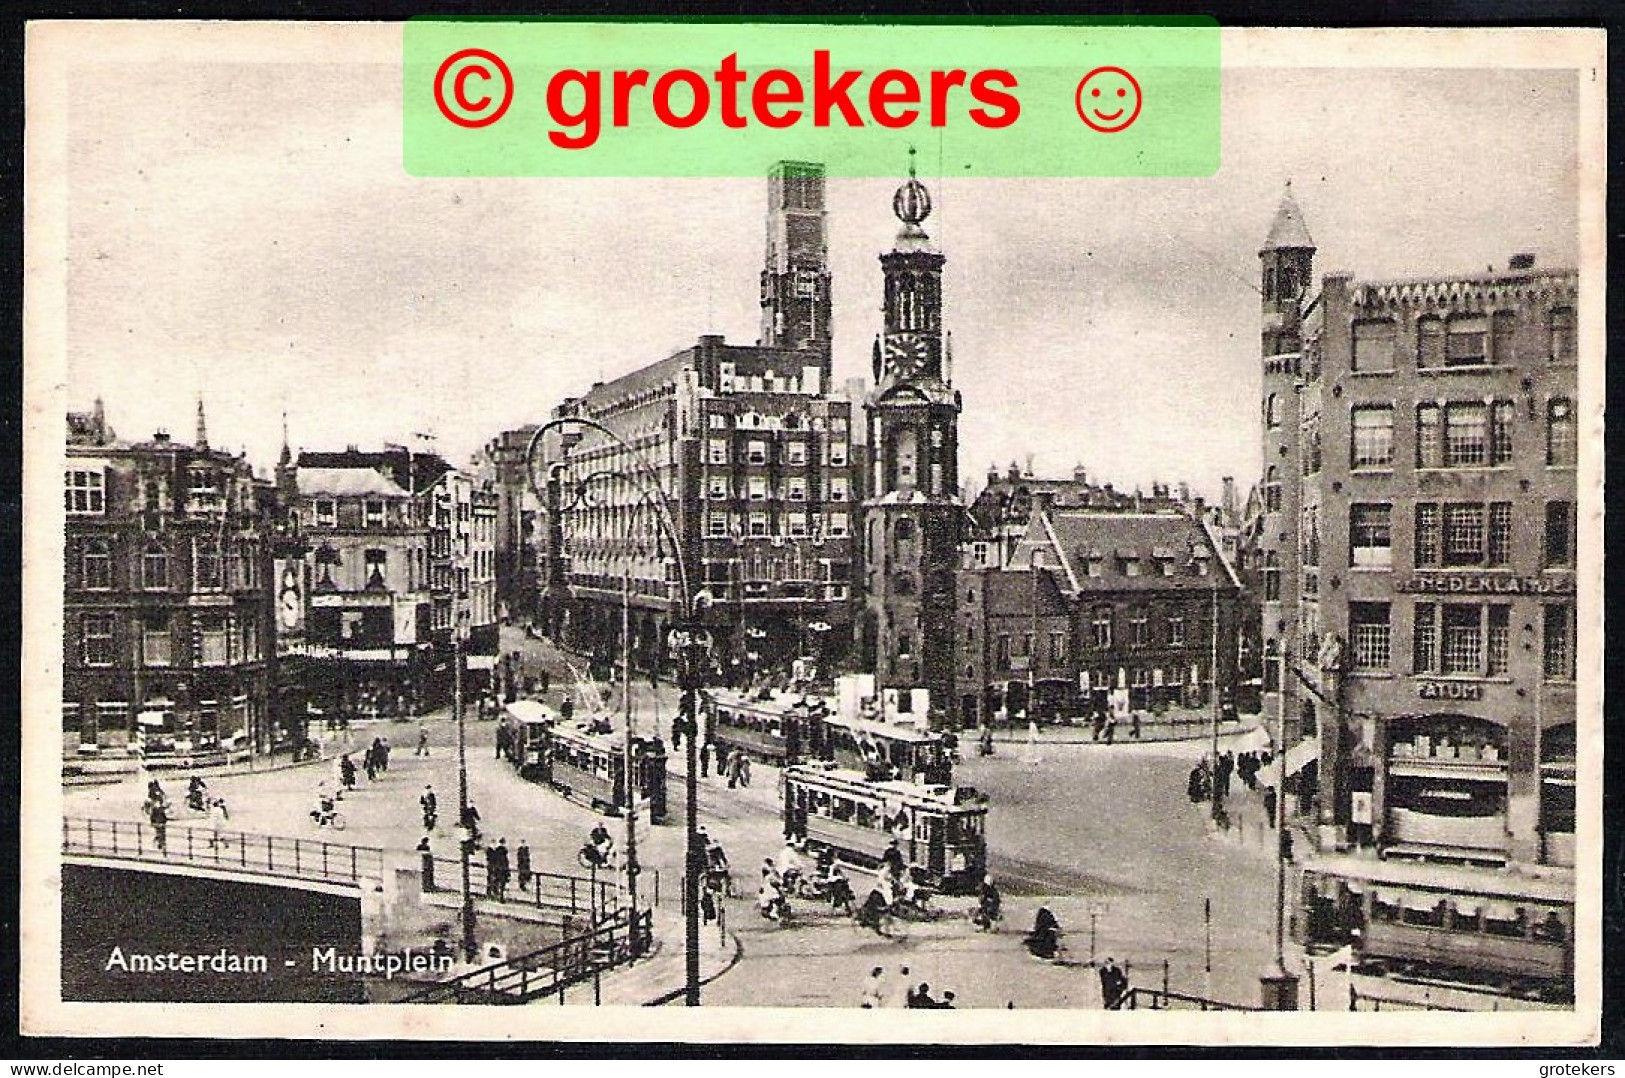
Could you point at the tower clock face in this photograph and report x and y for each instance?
(909, 354)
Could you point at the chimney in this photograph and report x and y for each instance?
(1015, 472)
(1043, 503)
(1185, 493)
(161, 436)
(1080, 475)
(992, 474)
(1521, 261)
(202, 440)
(1029, 470)
(1228, 501)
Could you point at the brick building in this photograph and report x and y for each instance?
(1096, 609)
(501, 466)
(166, 637)
(1416, 557)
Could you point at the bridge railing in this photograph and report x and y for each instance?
(1155, 999)
(616, 940)
(585, 895)
(233, 851)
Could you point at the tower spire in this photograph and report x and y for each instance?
(287, 454)
(202, 440)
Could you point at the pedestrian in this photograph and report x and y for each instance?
(430, 805)
(158, 815)
(369, 763)
(947, 1003)
(502, 740)
(922, 1000)
(383, 754)
(732, 757)
(423, 741)
(1113, 985)
(504, 870)
(705, 760)
(1111, 729)
(547, 682)
(902, 992)
(347, 772)
(677, 733)
(1100, 724)
(744, 768)
(1033, 756)
(1134, 725)
(522, 862)
(218, 815)
(491, 872)
(874, 990)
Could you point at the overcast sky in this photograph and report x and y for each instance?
(245, 231)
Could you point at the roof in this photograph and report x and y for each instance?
(1076, 538)
(1288, 229)
(346, 482)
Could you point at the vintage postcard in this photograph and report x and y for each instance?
(699, 516)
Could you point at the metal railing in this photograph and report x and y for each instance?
(1161, 999)
(232, 851)
(552, 969)
(578, 895)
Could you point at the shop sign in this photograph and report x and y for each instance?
(1484, 584)
(1450, 690)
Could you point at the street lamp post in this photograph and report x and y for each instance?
(1278, 987)
(465, 832)
(690, 643)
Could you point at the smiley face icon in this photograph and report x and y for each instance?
(1108, 99)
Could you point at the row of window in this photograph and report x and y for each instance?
(1464, 639)
(757, 525)
(215, 566)
(1460, 341)
(1447, 535)
(790, 421)
(217, 640)
(325, 513)
(757, 489)
(1140, 635)
(1459, 434)
(759, 451)
(85, 491)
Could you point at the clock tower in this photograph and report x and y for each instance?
(913, 514)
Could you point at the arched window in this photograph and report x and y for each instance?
(1272, 411)
(97, 565)
(155, 567)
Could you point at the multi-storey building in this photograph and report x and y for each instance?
(364, 576)
(1417, 561)
(913, 515)
(166, 638)
(461, 514)
(501, 464)
(1096, 610)
(755, 454)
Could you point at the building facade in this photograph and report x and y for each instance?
(1096, 610)
(754, 452)
(1417, 556)
(166, 638)
(501, 465)
(913, 516)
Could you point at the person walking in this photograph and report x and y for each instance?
(705, 760)
(218, 815)
(430, 805)
(1113, 985)
(347, 772)
(490, 872)
(522, 863)
(504, 870)
(383, 754)
(901, 993)
(732, 757)
(874, 990)
(744, 768)
(423, 741)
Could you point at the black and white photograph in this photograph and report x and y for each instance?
(1109, 607)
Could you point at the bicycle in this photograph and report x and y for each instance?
(334, 819)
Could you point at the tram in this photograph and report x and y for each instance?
(1516, 933)
(787, 728)
(940, 830)
(527, 724)
(587, 767)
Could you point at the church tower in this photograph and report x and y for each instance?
(912, 518)
(795, 277)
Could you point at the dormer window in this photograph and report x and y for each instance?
(1129, 561)
(374, 513)
(1164, 559)
(327, 513)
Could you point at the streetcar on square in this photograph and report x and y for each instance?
(783, 728)
(582, 765)
(940, 830)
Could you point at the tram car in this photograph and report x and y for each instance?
(526, 726)
(1516, 934)
(941, 830)
(787, 728)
